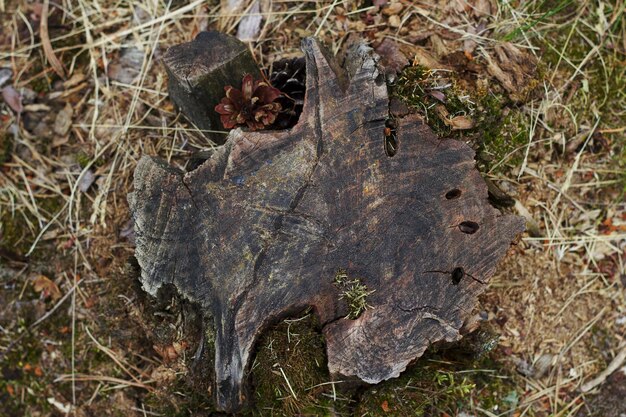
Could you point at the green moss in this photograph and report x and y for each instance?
(499, 130)
(504, 136)
(289, 373)
(416, 86)
(18, 378)
(18, 229)
(445, 380)
(6, 147)
(15, 231)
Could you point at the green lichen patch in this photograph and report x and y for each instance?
(354, 292)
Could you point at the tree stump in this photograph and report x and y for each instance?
(198, 72)
(277, 221)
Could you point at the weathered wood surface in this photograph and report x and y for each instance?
(260, 230)
(198, 72)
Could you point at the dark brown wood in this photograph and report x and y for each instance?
(264, 227)
(198, 72)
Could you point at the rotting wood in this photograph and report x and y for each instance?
(198, 72)
(263, 228)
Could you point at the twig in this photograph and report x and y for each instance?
(295, 397)
(602, 376)
(45, 42)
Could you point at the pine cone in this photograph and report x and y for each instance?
(289, 76)
(254, 105)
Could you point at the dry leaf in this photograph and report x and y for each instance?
(422, 57)
(460, 123)
(385, 406)
(172, 352)
(5, 75)
(86, 180)
(63, 121)
(163, 375)
(394, 21)
(438, 95)
(127, 67)
(63, 408)
(47, 287)
(482, 8)
(515, 69)
(250, 24)
(36, 107)
(45, 41)
(75, 79)
(13, 99)
(393, 9)
(456, 122)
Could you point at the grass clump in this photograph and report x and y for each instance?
(354, 292)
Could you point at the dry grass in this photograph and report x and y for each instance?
(560, 293)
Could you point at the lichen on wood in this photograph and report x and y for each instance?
(260, 229)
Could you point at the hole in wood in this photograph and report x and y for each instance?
(452, 194)
(380, 79)
(391, 140)
(469, 227)
(457, 275)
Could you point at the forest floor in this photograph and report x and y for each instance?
(85, 96)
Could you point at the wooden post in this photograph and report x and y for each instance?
(198, 72)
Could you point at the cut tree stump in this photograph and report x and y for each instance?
(198, 72)
(265, 227)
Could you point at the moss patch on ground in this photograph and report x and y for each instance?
(487, 120)
(447, 380)
(289, 374)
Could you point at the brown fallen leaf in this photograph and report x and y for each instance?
(515, 69)
(394, 21)
(457, 122)
(250, 25)
(45, 41)
(422, 57)
(172, 352)
(13, 99)
(163, 375)
(393, 9)
(47, 287)
(63, 121)
(460, 123)
(385, 406)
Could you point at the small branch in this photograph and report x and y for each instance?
(602, 376)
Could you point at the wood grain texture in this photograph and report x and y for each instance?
(198, 72)
(260, 230)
